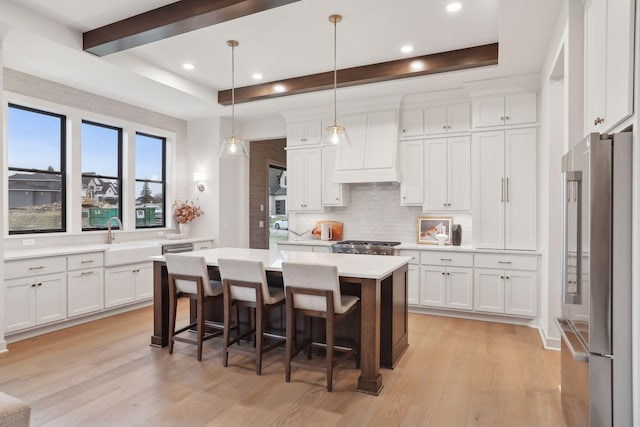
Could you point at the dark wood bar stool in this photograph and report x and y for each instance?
(314, 291)
(245, 284)
(188, 276)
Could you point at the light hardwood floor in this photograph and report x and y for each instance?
(455, 373)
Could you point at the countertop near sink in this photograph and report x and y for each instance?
(76, 249)
(309, 242)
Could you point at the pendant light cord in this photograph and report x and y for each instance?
(335, 73)
(233, 92)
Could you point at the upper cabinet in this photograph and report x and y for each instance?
(447, 174)
(372, 154)
(304, 180)
(333, 193)
(411, 162)
(504, 110)
(609, 35)
(435, 120)
(308, 132)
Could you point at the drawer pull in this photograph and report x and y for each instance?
(504, 262)
(37, 268)
(87, 261)
(33, 285)
(86, 273)
(446, 259)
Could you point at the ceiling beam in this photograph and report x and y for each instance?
(461, 59)
(170, 20)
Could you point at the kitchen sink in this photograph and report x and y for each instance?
(130, 253)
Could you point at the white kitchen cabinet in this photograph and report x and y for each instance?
(411, 123)
(413, 276)
(35, 300)
(372, 154)
(304, 180)
(450, 287)
(511, 292)
(411, 161)
(447, 180)
(333, 193)
(447, 119)
(85, 283)
(504, 110)
(609, 44)
(307, 132)
(204, 244)
(504, 212)
(432, 286)
(128, 283)
(489, 290)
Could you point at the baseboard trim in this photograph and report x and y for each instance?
(3, 346)
(547, 342)
(67, 323)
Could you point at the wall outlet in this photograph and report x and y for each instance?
(28, 242)
(261, 224)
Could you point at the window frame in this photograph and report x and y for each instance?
(163, 181)
(62, 172)
(118, 178)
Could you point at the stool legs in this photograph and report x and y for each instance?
(173, 305)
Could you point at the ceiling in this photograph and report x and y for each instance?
(44, 38)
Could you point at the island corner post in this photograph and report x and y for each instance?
(384, 321)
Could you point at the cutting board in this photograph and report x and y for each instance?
(336, 229)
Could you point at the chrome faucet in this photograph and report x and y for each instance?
(109, 232)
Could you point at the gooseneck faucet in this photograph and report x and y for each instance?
(109, 232)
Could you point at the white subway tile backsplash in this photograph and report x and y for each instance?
(374, 213)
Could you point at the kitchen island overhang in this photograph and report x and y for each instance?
(382, 282)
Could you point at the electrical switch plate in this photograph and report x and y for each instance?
(261, 208)
(261, 224)
(28, 242)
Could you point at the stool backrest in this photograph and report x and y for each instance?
(313, 276)
(190, 266)
(245, 271)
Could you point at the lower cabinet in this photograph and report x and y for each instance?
(450, 287)
(506, 291)
(128, 283)
(85, 291)
(35, 300)
(413, 284)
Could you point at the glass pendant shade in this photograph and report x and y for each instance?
(335, 135)
(232, 148)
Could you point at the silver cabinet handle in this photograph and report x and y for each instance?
(37, 268)
(86, 273)
(87, 261)
(507, 191)
(502, 188)
(446, 259)
(504, 262)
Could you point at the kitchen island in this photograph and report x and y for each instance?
(382, 282)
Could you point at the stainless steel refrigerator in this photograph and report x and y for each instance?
(596, 285)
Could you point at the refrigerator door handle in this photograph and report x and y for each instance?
(572, 188)
(563, 326)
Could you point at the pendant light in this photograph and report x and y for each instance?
(335, 135)
(232, 147)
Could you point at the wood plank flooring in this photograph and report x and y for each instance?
(455, 373)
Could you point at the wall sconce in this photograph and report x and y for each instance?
(198, 177)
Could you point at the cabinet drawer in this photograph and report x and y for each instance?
(508, 261)
(446, 258)
(415, 255)
(36, 266)
(88, 260)
(205, 244)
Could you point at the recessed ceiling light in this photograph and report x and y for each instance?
(188, 66)
(454, 7)
(406, 49)
(257, 76)
(416, 65)
(279, 88)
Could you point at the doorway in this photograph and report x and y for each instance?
(278, 218)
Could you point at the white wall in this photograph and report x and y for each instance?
(3, 343)
(635, 274)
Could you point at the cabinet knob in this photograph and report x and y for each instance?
(507, 118)
(448, 274)
(502, 277)
(507, 277)
(39, 284)
(444, 204)
(598, 120)
(443, 273)
(444, 127)
(502, 118)
(404, 130)
(33, 285)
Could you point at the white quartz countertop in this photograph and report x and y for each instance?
(349, 265)
(308, 242)
(12, 255)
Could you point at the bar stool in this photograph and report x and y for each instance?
(245, 284)
(188, 276)
(314, 291)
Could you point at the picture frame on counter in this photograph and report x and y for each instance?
(434, 229)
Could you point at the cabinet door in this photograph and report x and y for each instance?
(435, 181)
(296, 179)
(595, 63)
(435, 120)
(458, 118)
(488, 111)
(313, 180)
(351, 157)
(432, 286)
(460, 288)
(313, 130)
(411, 159)
(331, 191)
(520, 108)
(411, 123)
(521, 293)
(119, 286)
(488, 207)
(85, 291)
(413, 284)
(51, 298)
(20, 303)
(144, 281)
(382, 132)
(488, 294)
(459, 174)
(296, 134)
(520, 189)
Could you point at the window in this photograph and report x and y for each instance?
(101, 175)
(150, 180)
(36, 141)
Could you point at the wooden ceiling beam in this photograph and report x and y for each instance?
(170, 20)
(461, 59)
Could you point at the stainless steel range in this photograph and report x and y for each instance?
(364, 247)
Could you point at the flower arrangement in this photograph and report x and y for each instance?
(186, 211)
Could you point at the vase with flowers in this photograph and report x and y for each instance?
(185, 211)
